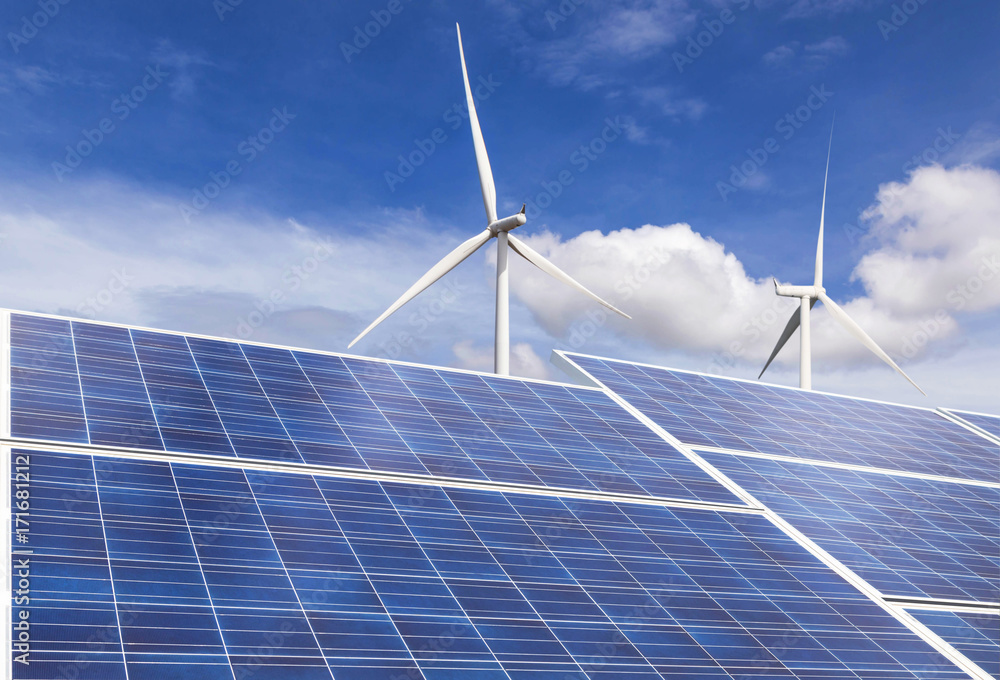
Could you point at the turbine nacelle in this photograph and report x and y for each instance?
(509, 223)
(811, 292)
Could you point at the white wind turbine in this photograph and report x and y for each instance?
(808, 296)
(498, 229)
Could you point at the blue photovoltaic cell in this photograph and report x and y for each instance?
(114, 396)
(45, 397)
(905, 536)
(984, 422)
(977, 635)
(747, 416)
(179, 571)
(148, 390)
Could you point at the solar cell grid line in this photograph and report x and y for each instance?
(430, 529)
(351, 619)
(699, 410)
(73, 624)
(46, 400)
(409, 624)
(5, 409)
(305, 416)
(284, 568)
(353, 410)
(906, 536)
(167, 620)
(247, 415)
(211, 402)
(182, 406)
(115, 401)
(618, 640)
(975, 634)
(261, 618)
(803, 592)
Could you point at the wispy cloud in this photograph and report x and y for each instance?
(804, 9)
(600, 39)
(794, 55)
(32, 78)
(184, 66)
(670, 104)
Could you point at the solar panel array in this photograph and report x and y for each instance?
(103, 385)
(745, 416)
(203, 518)
(977, 635)
(908, 537)
(903, 497)
(167, 570)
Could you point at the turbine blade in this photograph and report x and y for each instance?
(790, 328)
(525, 251)
(450, 261)
(818, 281)
(482, 160)
(854, 329)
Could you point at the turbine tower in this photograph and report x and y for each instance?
(808, 296)
(496, 228)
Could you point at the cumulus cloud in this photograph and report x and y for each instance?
(934, 249)
(683, 290)
(938, 238)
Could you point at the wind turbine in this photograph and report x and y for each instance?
(496, 228)
(809, 295)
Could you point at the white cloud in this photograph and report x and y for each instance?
(682, 289)
(804, 9)
(35, 79)
(979, 145)
(184, 68)
(671, 104)
(118, 253)
(691, 300)
(812, 56)
(609, 35)
(781, 55)
(938, 235)
(934, 243)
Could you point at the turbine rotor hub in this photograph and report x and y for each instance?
(798, 291)
(509, 223)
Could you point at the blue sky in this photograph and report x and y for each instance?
(301, 120)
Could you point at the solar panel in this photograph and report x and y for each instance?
(96, 384)
(741, 415)
(989, 424)
(976, 635)
(174, 570)
(908, 537)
